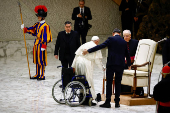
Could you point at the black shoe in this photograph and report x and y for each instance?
(81, 97)
(40, 78)
(106, 105)
(117, 105)
(33, 77)
(141, 93)
(60, 86)
(98, 98)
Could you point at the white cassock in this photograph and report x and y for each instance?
(84, 64)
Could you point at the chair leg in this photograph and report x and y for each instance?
(149, 86)
(103, 86)
(134, 88)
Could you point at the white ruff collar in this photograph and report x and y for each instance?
(43, 21)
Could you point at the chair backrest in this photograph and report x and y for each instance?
(145, 52)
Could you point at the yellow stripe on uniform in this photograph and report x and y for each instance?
(39, 49)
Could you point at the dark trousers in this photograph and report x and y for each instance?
(126, 88)
(118, 70)
(163, 109)
(67, 61)
(136, 25)
(127, 24)
(82, 33)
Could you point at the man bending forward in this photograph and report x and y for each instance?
(84, 64)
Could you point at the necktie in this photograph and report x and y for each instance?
(82, 15)
(81, 11)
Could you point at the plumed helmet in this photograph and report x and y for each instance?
(41, 11)
(165, 70)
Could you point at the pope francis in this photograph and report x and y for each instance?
(84, 64)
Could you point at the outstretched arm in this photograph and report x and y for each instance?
(31, 30)
(98, 47)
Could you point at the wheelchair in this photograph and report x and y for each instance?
(71, 89)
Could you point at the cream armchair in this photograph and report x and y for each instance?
(143, 63)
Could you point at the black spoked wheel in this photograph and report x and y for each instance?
(58, 92)
(74, 94)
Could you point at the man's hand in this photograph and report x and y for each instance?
(79, 15)
(136, 19)
(56, 56)
(85, 52)
(129, 68)
(126, 9)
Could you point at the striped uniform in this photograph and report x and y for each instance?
(43, 33)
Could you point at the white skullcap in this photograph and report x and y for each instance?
(126, 32)
(95, 38)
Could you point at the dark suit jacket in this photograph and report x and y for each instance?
(61, 42)
(166, 52)
(129, 13)
(161, 90)
(133, 44)
(117, 51)
(87, 13)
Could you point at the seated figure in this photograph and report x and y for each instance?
(84, 64)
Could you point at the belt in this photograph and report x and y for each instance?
(165, 104)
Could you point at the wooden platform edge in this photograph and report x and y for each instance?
(127, 100)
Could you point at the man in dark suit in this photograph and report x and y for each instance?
(117, 51)
(66, 45)
(132, 45)
(128, 9)
(81, 15)
(141, 7)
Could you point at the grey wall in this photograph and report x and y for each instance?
(105, 14)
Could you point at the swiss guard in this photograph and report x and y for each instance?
(43, 33)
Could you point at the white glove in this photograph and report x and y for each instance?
(22, 26)
(42, 49)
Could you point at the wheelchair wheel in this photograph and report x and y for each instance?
(75, 93)
(58, 92)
